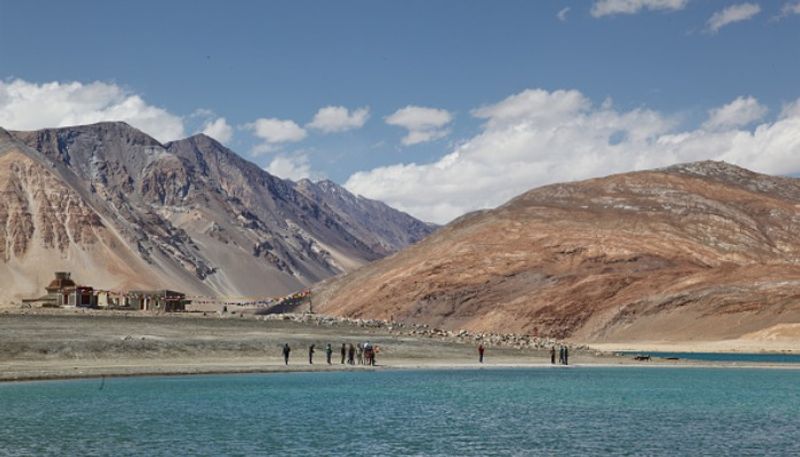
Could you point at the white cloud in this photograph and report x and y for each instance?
(535, 105)
(339, 119)
(423, 124)
(29, 106)
(734, 13)
(611, 7)
(789, 9)
(274, 131)
(738, 113)
(538, 137)
(219, 129)
(791, 109)
(202, 113)
(264, 148)
(294, 167)
(562, 14)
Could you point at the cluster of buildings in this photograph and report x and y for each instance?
(62, 291)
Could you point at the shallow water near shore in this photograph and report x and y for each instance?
(538, 411)
(721, 356)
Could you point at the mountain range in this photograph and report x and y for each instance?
(704, 250)
(698, 251)
(121, 210)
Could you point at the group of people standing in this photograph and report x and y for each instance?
(563, 355)
(364, 354)
(361, 353)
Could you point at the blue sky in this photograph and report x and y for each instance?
(661, 64)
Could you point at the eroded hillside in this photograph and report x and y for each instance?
(698, 251)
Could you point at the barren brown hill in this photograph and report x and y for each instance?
(703, 251)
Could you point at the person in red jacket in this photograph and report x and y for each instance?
(480, 352)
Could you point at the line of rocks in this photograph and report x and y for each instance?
(509, 340)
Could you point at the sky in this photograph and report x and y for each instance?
(435, 107)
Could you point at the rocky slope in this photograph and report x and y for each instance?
(701, 251)
(383, 228)
(190, 215)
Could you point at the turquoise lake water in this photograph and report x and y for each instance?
(723, 356)
(538, 411)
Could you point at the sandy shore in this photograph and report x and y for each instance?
(68, 344)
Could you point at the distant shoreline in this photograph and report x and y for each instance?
(421, 367)
(79, 345)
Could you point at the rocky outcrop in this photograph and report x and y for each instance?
(35, 202)
(701, 250)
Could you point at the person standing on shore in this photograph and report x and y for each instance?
(344, 352)
(311, 355)
(351, 354)
(481, 349)
(552, 355)
(328, 352)
(368, 353)
(566, 355)
(286, 351)
(561, 355)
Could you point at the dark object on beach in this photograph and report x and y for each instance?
(311, 355)
(552, 355)
(481, 349)
(286, 351)
(672, 358)
(344, 352)
(566, 355)
(642, 358)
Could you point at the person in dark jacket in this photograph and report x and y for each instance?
(351, 354)
(311, 355)
(344, 352)
(566, 355)
(481, 350)
(552, 355)
(561, 355)
(286, 351)
(328, 353)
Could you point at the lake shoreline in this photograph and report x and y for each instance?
(200, 370)
(62, 344)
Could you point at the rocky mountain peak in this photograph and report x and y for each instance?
(328, 185)
(198, 140)
(116, 131)
(713, 168)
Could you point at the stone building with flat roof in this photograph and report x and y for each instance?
(62, 291)
(158, 300)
